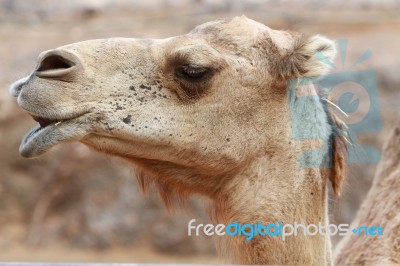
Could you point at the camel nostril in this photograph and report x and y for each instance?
(54, 62)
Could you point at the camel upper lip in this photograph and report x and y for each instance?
(48, 117)
(45, 121)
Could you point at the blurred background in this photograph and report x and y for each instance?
(74, 204)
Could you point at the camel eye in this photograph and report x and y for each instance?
(193, 74)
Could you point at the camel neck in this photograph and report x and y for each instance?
(274, 190)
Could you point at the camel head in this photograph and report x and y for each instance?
(190, 110)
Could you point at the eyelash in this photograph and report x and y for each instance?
(193, 74)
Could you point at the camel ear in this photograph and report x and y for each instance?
(309, 57)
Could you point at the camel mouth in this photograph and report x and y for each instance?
(44, 122)
(49, 132)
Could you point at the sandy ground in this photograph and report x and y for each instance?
(12, 250)
(61, 253)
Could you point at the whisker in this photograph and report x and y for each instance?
(337, 107)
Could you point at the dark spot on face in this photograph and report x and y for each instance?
(153, 82)
(140, 99)
(312, 193)
(228, 139)
(170, 135)
(108, 126)
(132, 88)
(127, 119)
(145, 87)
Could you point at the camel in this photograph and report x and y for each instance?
(203, 113)
(380, 208)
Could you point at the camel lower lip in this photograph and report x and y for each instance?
(37, 137)
(31, 134)
(40, 139)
